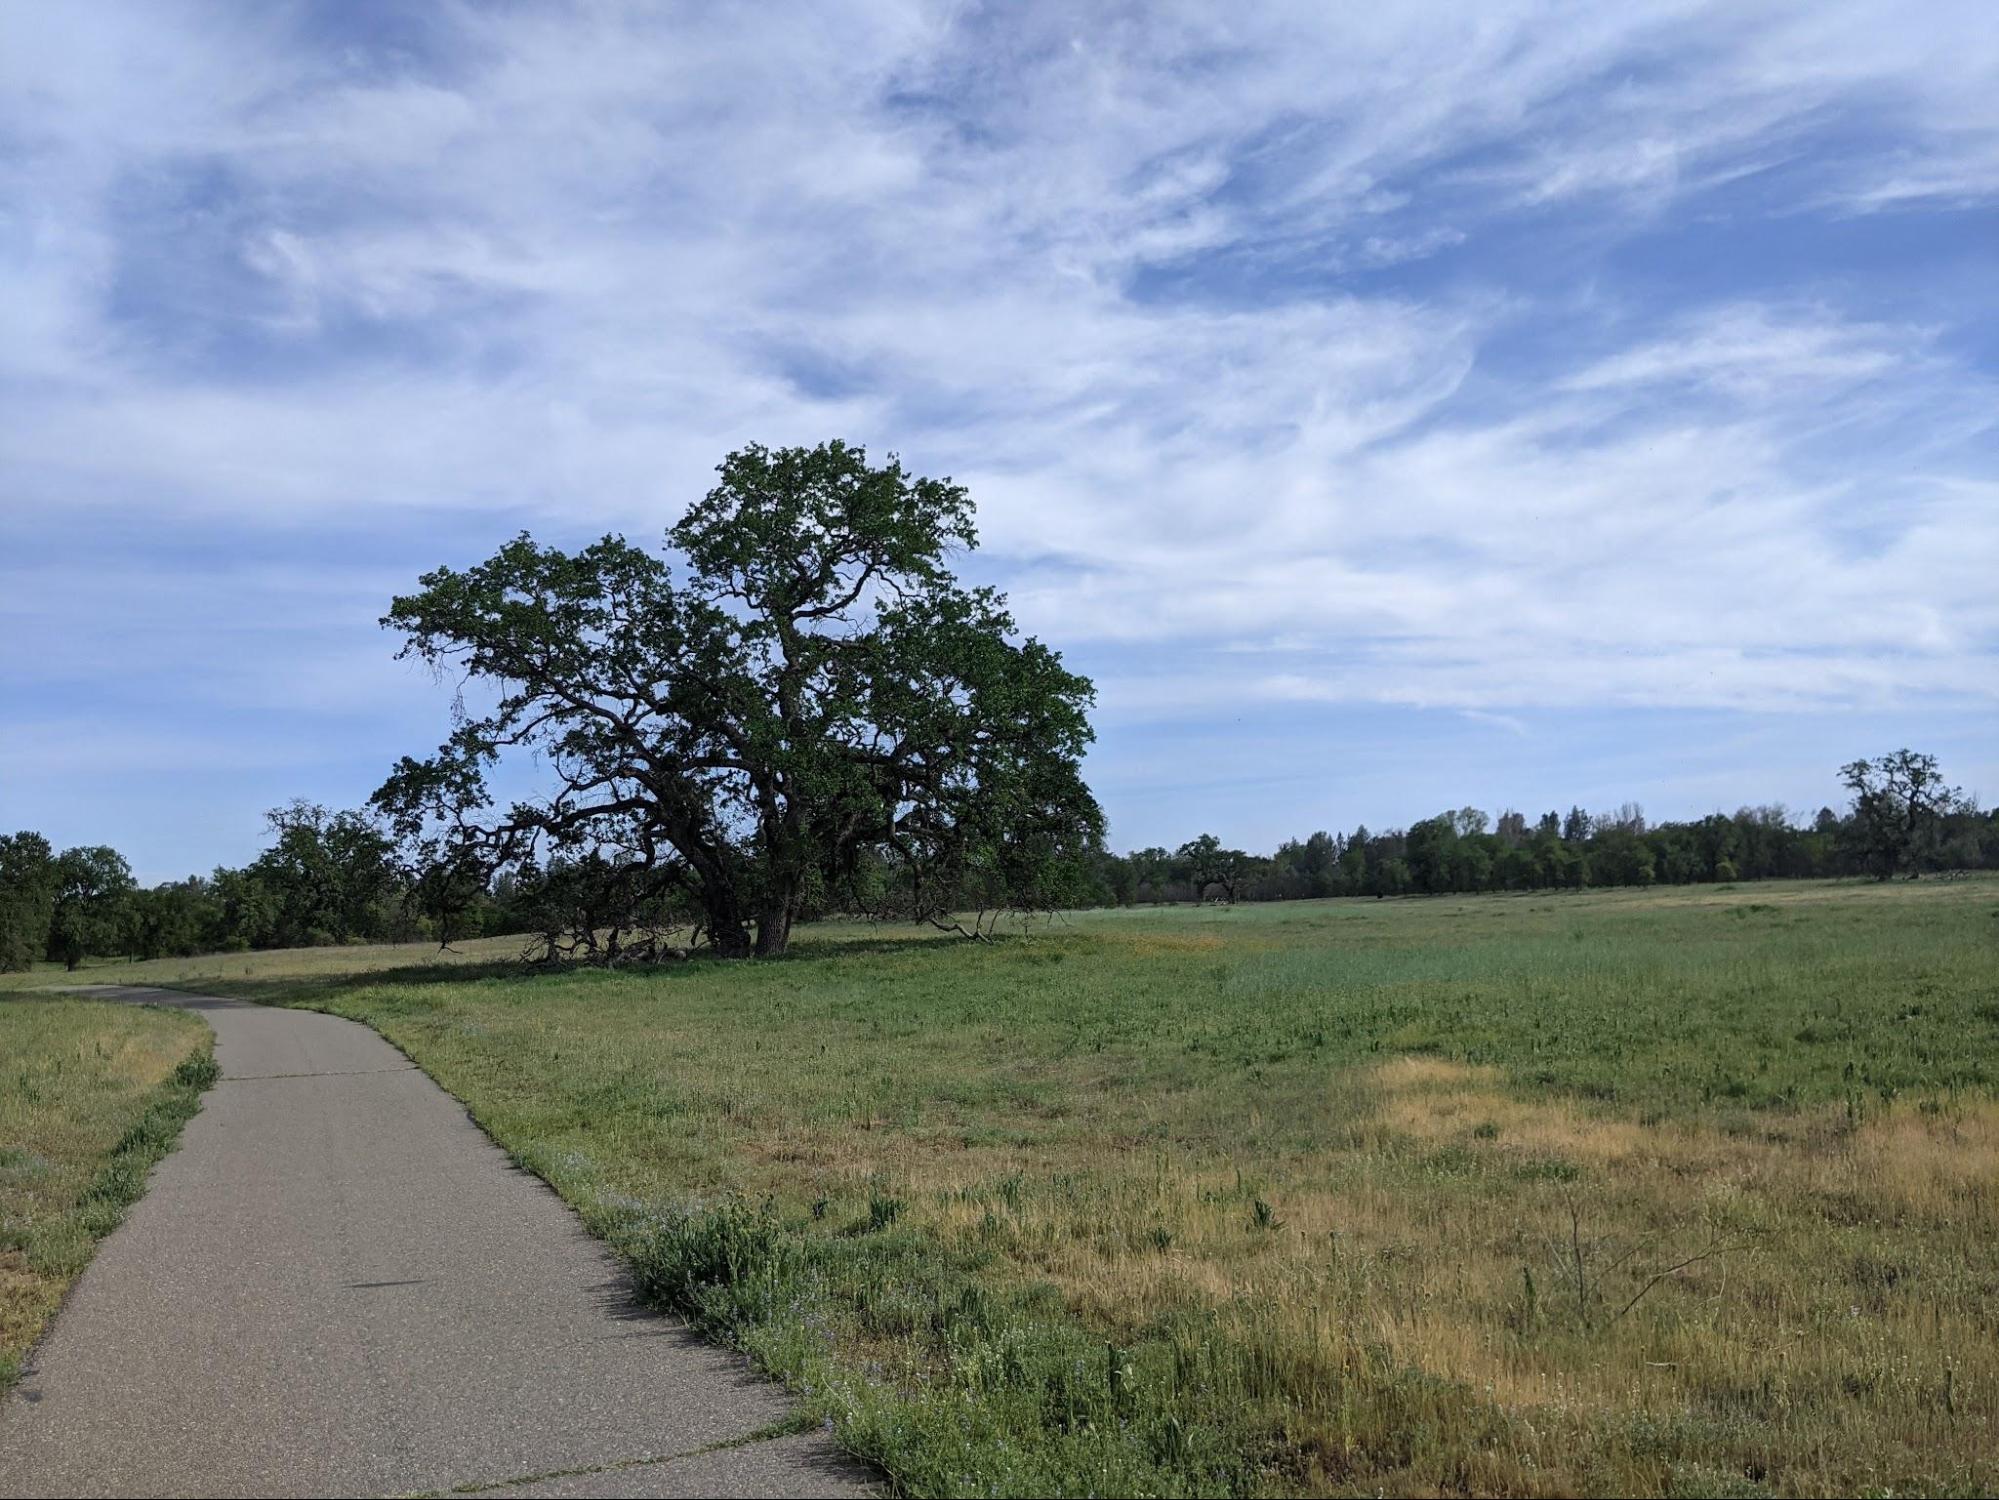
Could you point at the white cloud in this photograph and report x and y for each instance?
(1114, 272)
(1753, 353)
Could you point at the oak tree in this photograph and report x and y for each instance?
(1899, 802)
(92, 901)
(799, 691)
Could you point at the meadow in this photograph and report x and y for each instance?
(91, 1095)
(1691, 1191)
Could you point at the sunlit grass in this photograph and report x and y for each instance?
(91, 1094)
(342, 962)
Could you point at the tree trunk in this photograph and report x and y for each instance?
(773, 932)
(774, 921)
(728, 932)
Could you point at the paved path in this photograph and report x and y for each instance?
(338, 1285)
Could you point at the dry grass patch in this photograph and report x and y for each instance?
(1833, 1300)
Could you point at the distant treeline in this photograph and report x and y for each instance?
(1903, 819)
(327, 878)
(1467, 851)
(338, 877)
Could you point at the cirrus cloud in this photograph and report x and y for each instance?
(1558, 358)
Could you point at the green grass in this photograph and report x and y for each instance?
(1346, 1197)
(91, 1095)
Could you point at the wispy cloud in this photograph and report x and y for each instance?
(1549, 357)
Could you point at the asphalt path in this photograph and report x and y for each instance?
(337, 1285)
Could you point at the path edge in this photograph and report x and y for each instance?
(147, 1142)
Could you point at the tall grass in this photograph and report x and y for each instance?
(91, 1095)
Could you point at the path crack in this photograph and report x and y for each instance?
(790, 1426)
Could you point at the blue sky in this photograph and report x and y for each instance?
(1391, 408)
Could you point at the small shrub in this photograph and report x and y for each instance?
(725, 1268)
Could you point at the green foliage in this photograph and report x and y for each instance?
(174, 919)
(92, 904)
(28, 882)
(1900, 802)
(818, 704)
(1021, 1401)
(332, 878)
(327, 873)
(326, 878)
(726, 1267)
(1203, 863)
(1903, 819)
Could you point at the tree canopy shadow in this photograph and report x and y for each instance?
(808, 950)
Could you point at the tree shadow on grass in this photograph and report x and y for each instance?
(308, 988)
(809, 949)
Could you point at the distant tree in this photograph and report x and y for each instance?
(1389, 878)
(1432, 847)
(455, 899)
(818, 704)
(1313, 863)
(1719, 841)
(1765, 840)
(1352, 871)
(1558, 863)
(243, 911)
(1208, 863)
(1676, 857)
(1629, 817)
(1514, 869)
(93, 891)
(1152, 872)
(28, 882)
(1472, 870)
(330, 876)
(1119, 878)
(1468, 821)
(173, 919)
(1969, 839)
(1620, 857)
(1899, 803)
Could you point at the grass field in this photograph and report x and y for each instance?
(1680, 1192)
(91, 1095)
